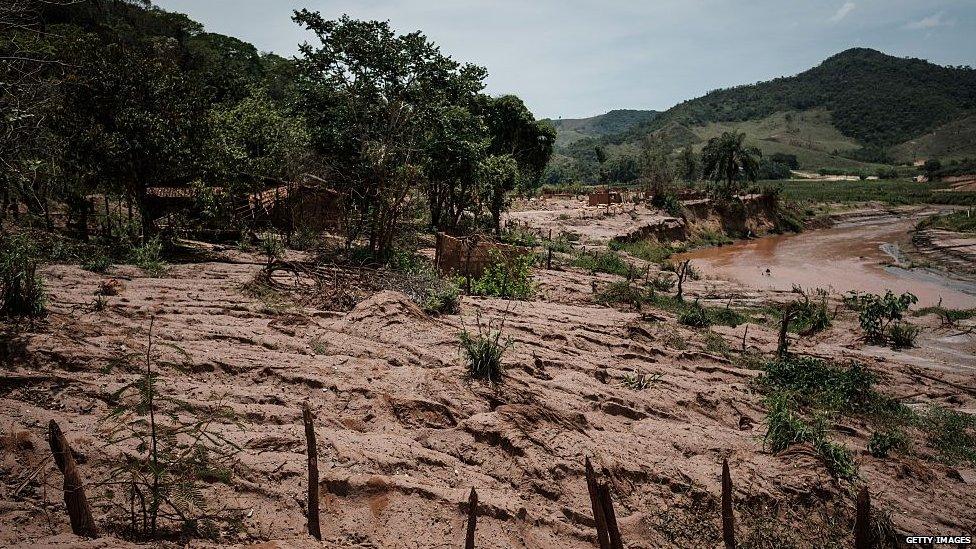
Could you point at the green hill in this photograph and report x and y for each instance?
(570, 130)
(855, 109)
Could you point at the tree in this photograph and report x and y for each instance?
(253, 142)
(515, 132)
(497, 175)
(688, 168)
(373, 99)
(728, 160)
(657, 173)
(455, 148)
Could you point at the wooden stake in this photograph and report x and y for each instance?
(472, 519)
(602, 537)
(862, 525)
(313, 474)
(728, 520)
(79, 512)
(611, 518)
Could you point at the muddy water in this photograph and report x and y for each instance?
(853, 256)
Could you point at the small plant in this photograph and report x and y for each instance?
(509, 278)
(811, 313)
(715, 344)
(484, 352)
(695, 316)
(608, 262)
(97, 263)
(273, 247)
(99, 304)
(444, 299)
(877, 312)
(786, 427)
(902, 335)
(884, 441)
(639, 381)
(148, 257)
(21, 288)
(623, 292)
(663, 282)
(167, 458)
(952, 434)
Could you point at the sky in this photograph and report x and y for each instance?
(578, 58)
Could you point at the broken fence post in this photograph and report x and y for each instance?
(472, 519)
(598, 517)
(728, 520)
(611, 518)
(862, 524)
(79, 512)
(313, 474)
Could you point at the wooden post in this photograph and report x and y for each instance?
(744, 335)
(549, 254)
(728, 520)
(862, 524)
(313, 474)
(611, 518)
(602, 537)
(79, 512)
(783, 343)
(472, 519)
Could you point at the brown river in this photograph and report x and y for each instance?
(849, 256)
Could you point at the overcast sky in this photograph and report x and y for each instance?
(574, 58)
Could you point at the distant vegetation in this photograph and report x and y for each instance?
(835, 115)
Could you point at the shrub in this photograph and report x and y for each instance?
(811, 316)
(786, 427)
(648, 250)
(884, 441)
(509, 278)
(662, 282)
(818, 382)
(148, 257)
(725, 316)
(668, 202)
(484, 353)
(623, 292)
(608, 262)
(695, 316)
(97, 263)
(444, 298)
(877, 312)
(21, 288)
(902, 335)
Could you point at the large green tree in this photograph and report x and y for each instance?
(373, 98)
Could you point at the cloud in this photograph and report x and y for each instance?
(931, 22)
(842, 12)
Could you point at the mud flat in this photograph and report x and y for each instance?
(404, 433)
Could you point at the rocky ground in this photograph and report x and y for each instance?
(403, 433)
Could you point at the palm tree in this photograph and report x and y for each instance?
(728, 159)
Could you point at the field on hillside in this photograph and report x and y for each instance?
(810, 135)
(895, 192)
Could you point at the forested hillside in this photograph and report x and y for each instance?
(874, 104)
(614, 122)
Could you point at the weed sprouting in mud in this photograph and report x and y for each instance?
(785, 426)
(21, 287)
(640, 381)
(509, 278)
(884, 441)
(608, 262)
(695, 316)
(484, 351)
(149, 258)
(169, 450)
(951, 433)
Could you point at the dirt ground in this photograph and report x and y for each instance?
(403, 433)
